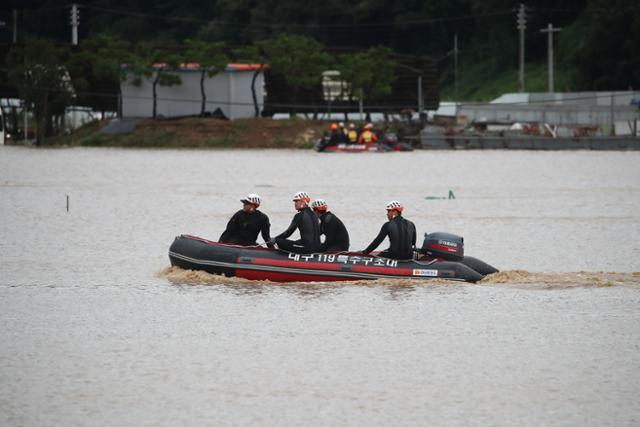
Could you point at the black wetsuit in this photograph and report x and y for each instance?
(344, 136)
(307, 223)
(402, 238)
(336, 235)
(336, 138)
(243, 228)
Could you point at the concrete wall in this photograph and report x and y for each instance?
(527, 142)
(229, 90)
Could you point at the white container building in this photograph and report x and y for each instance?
(229, 90)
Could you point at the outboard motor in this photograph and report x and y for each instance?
(443, 245)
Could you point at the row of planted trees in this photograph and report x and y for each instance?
(49, 77)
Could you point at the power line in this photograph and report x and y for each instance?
(44, 9)
(278, 25)
(585, 9)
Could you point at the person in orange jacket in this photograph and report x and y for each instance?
(367, 137)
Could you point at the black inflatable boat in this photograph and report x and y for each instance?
(441, 257)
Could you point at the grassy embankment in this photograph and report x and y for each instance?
(200, 133)
(480, 83)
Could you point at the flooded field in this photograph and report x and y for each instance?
(98, 329)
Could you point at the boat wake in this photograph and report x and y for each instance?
(517, 278)
(181, 276)
(578, 279)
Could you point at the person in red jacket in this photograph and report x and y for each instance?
(368, 137)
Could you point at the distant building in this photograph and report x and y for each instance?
(601, 110)
(574, 108)
(229, 91)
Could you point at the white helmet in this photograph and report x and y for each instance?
(319, 204)
(302, 195)
(395, 205)
(341, 124)
(252, 198)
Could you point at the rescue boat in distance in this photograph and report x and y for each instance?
(260, 263)
(389, 143)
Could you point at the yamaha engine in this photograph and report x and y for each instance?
(443, 245)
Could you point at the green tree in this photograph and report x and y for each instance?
(299, 59)
(211, 57)
(257, 54)
(349, 67)
(108, 57)
(601, 57)
(368, 75)
(158, 67)
(39, 71)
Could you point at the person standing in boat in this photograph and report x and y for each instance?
(336, 235)
(244, 225)
(401, 233)
(307, 223)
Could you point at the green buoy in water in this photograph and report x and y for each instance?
(451, 196)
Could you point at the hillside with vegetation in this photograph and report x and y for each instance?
(596, 49)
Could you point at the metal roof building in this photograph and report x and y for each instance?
(562, 109)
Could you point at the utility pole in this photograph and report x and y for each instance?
(24, 101)
(612, 131)
(15, 26)
(522, 25)
(455, 70)
(26, 121)
(75, 21)
(419, 95)
(550, 30)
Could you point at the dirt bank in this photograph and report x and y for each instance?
(201, 133)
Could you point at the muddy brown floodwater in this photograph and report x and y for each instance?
(99, 330)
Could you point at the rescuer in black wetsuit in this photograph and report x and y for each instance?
(336, 136)
(336, 235)
(401, 233)
(244, 225)
(307, 223)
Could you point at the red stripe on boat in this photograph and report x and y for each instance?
(333, 267)
(382, 270)
(446, 248)
(286, 277)
(295, 264)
